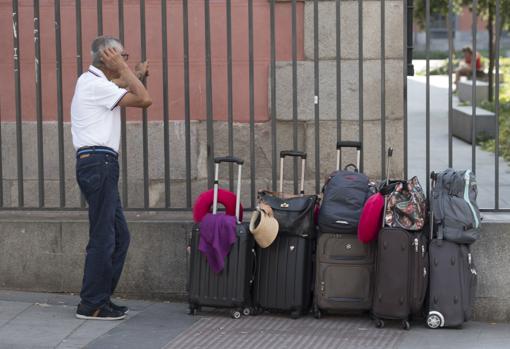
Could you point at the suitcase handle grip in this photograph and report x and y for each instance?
(234, 159)
(348, 144)
(293, 153)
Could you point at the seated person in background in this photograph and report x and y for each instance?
(465, 67)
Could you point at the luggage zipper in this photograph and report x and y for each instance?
(416, 279)
(466, 198)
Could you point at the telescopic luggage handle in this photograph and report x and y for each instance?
(295, 154)
(220, 159)
(217, 162)
(348, 144)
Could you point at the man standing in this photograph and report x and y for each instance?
(95, 127)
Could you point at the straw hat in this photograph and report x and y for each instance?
(263, 225)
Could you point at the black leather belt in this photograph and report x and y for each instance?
(96, 149)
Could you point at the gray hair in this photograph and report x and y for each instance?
(100, 43)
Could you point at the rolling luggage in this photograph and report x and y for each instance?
(401, 275)
(344, 265)
(283, 281)
(231, 287)
(453, 278)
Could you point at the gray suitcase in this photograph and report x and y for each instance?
(344, 267)
(453, 281)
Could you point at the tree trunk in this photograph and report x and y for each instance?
(492, 56)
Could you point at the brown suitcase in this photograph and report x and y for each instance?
(344, 267)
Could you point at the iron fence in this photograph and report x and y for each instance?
(187, 193)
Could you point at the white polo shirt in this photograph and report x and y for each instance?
(95, 115)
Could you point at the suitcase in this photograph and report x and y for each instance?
(401, 274)
(344, 267)
(453, 281)
(230, 288)
(284, 279)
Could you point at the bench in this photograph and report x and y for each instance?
(465, 91)
(462, 121)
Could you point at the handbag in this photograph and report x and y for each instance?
(406, 206)
(294, 213)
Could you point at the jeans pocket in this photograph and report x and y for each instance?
(90, 176)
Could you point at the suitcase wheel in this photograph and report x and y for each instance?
(295, 314)
(317, 312)
(235, 314)
(434, 320)
(379, 323)
(247, 311)
(406, 325)
(192, 310)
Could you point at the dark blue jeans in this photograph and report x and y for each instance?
(98, 176)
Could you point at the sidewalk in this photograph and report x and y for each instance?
(39, 320)
(462, 151)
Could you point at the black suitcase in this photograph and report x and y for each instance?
(453, 281)
(230, 288)
(401, 275)
(284, 276)
(344, 267)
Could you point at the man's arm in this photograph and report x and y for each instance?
(137, 95)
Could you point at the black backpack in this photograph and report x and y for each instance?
(344, 195)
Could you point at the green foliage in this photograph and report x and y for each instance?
(504, 114)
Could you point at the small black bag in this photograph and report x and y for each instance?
(295, 214)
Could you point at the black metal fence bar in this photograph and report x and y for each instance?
(99, 17)
(230, 111)
(17, 91)
(123, 131)
(338, 75)
(252, 104)
(1, 162)
(60, 107)
(427, 95)
(187, 118)
(473, 86)
(79, 59)
(166, 138)
(450, 77)
(208, 89)
(360, 80)
(405, 47)
(274, 156)
(316, 94)
(383, 88)
(38, 104)
(497, 106)
(145, 126)
(294, 94)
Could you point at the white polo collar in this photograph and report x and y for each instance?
(97, 72)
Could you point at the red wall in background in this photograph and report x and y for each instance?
(261, 10)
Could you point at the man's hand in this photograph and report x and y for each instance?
(142, 70)
(113, 60)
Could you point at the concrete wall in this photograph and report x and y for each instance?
(45, 252)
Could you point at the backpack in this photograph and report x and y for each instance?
(344, 196)
(453, 203)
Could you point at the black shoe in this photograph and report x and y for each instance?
(120, 308)
(103, 313)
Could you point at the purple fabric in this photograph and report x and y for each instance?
(217, 235)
